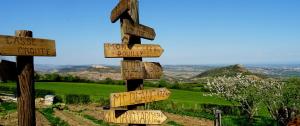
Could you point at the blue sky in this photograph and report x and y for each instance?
(190, 31)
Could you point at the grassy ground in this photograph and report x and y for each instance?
(96, 91)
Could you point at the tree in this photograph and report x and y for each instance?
(238, 89)
(281, 99)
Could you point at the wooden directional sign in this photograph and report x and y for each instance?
(121, 8)
(25, 46)
(136, 50)
(135, 117)
(138, 97)
(138, 30)
(140, 70)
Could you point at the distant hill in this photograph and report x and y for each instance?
(228, 71)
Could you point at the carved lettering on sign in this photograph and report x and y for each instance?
(25, 46)
(138, 97)
(135, 50)
(140, 70)
(135, 116)
(138, 30)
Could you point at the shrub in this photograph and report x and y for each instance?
(41, 93)
(48, 113)
(226, 109)
(57, 99)
(6, 89)
(162, 83)
(172, 107)
(77, 99)
(7, 106)
(104, 102)
(93, 119)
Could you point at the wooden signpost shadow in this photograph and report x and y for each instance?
(25, 47)
(134, 70)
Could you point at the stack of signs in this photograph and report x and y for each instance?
(135, 69)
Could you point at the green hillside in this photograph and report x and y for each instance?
(97, 91)
(228, 71)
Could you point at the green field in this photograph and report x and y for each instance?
(96, 91)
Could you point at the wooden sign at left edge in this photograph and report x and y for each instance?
(25, 46)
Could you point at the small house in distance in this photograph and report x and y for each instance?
(8, 71)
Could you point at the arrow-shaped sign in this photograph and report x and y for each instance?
(121, 8)
(25, 46)
(140, 70)
(138, 97)
(135, 50)
(138, 30)
(135, 116)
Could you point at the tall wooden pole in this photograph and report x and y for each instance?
(130, 40)
(137, 84)
(25, 86)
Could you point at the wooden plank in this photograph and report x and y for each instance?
(138, 97)
(135, 50)
(140, 70)
(153, 70)
(26, 46)
(121, 8)
(135, 117)
(139, 30)
(132, 70)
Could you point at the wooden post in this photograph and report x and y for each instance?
(25, 86)
(218, 120)
(137, 84)
(132, 85)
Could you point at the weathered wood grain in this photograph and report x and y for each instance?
(135, 50)
(26, 46)
(135, 117)
(25, 86)
(138, 30)
(140, 70)
(121, 8)
(138, 97)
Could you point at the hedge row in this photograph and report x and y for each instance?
(39, 93)
(77, 99)
(199, 110)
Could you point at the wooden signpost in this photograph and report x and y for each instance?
(136, 50)
(140, 70)
(138, 97)
(25, 47)
(134, 70)
(120, 9)
(135, 116)
(139, 30)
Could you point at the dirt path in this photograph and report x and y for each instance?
(189, 121)
(41, 120)
(92, 110)
(73, 119)
(10, 119)
(98, 113)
